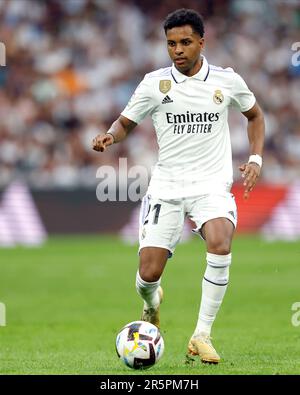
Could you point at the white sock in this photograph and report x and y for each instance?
(214, 286)
(148, 291)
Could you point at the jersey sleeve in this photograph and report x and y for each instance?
(140, 104)
(242, 98)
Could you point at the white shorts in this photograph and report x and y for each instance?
(161, 221)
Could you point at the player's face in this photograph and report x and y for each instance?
(184, 47)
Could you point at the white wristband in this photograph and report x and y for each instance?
(111, 135)
(255, 159)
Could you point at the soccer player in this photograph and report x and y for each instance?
(189, 103)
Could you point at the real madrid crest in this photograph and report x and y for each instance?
(218, 97)
(164, 86)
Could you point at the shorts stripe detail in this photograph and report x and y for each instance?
(145, 205)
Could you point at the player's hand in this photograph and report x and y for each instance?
(250, 173)
(102, 141)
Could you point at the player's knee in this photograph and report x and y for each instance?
(150, 268)
(149, 274)
(219, 246)
(152, 263)
(222, 250)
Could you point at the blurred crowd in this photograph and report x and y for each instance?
(72, 65)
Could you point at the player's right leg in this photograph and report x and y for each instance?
(161, 224)
(148, 278)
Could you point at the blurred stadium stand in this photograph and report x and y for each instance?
(71, 67)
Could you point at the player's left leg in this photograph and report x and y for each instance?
(218, 234)
(215, 216)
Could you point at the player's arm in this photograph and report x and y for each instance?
(116, 133)
(256, 135)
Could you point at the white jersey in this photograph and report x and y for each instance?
(190, 116)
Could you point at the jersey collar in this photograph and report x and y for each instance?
(201, 75)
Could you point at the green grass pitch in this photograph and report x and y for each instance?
(66, 301)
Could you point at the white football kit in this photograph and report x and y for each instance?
(194, 168)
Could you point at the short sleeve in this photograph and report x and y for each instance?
(242, 98)
(140, 104)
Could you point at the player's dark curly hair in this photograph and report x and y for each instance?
(182, 17)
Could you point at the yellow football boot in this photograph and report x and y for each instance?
(201, 345)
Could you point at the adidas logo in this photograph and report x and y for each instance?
(166, 100)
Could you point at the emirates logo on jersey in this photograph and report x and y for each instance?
(191, 122)
(218, 97)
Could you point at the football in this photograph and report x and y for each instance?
(139, 345)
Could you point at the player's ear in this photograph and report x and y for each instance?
(201, 43)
